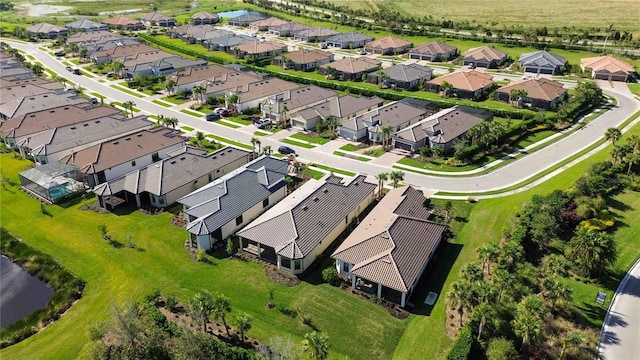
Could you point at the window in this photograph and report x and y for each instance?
(239, 220)
(297, 264)
(265, 203)
(161, 199)
(286, 263)
(345, 266)
(210, 177)
(155, 157)
(346, 219)
(133, 163)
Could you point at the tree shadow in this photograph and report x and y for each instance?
(593, 311)
(618, 205)
(609, 338)
(115, 244)
(631, 287)
(616, 320)
(124, 209)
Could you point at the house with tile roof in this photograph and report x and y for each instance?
(334, 108)
(304, 59)
(115, 157)
(294, 232)
(122, 53)
(466, 84)
(434, 51)
(259, 49)
(484, 56)
(351, 69)
(204, 18)
(222, 207)
(122, 22)
(440, 130)
(163, 182)
(316, 34)
(47, 31)
(280, 106)
(246, 19)
(265, 24)
(607, 68)
(348, 40)
(540, 93)
(288, 29)
(93, 37)
(86, 25)
(189, 78)
(250, 95)
(542, 62)
(401, 76)
(157, 19)
(226, 41)
(37, 102)
(197, 34)
(388, 45)
(389, 251)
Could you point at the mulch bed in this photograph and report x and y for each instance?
(95, 207)
(394, 309)
(281, 278)
(179, 220)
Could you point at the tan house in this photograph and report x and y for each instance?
(334, 108)
(189, 78)
(607, 68)
(304, 59)
(315, 34)
(122, 22)
(157, 19)
(47, 31)
(204, 18)
(353, 69)
(387, 254)
(288, 29)
(251, 95)
(388, 45)
(295, 231)
(259, 49)
(484, 56)
(122, 53)
(434, 51)
(280, 106)
(265, 24)
(540, 93)
(465, 84)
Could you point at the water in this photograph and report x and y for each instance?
(20, 293)
(235, 13)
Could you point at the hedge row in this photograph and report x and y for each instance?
(462, 347)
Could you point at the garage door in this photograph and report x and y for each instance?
(298, 124)
(403, 146)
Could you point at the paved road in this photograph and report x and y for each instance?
(620, 335)
(506, 176)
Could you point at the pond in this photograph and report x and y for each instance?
(20, 293)
(236, 13)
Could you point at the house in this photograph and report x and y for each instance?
(93, 37)
(401, 76)
(440, 130)
(218, 209)
(288, 29)
(434, 51)
(316, 34)
(540, 93)
(157, 19)
(115, 157)
(304, 59)
(197, 34)
(464, 84)
(542, 62)
(41, 120)
(47, 31)
(245, 19)
(121, 53)
(226, 42)
(38, 102)
(388, 46)
(52, 183)
(162, 183)
(162, 66)
(349, 68)
(15, 71)
(226, 84)
(334, 108)
(387, 254)
(204, 18)
(189, 78)
(85, 25)
(265, 24)
(348, 40)
(122, 22)
(278, 107)
(484, 56)
(607, 68)
(53, 144)
(252, 94)
(368, 126)
(295, 231)
(259, 49)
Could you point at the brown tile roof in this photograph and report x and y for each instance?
(205, 15)
(543, 89)
(259, 47)
(232, 82)
(45, 28)
(120, 20)
(433, 48)
(606, 63)
(123, 149)
(268, 22)
(449, 124)
(123, 51)
(154, 16)
(352, 65)
(389, 42)
(93, 36)
(465, 80)
(485, 53)
(200, 73)
(394, 242)
(316, 31)
(306, 56)
(264, 88)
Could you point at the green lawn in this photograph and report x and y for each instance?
(297, 143)
(312, 139)
(186, 128)
(228, 124)
(173, 100)
(161, 103)
(99, 96)
(191, 112)
(334, 170)
(635, 88)
(125, 90)
(239, 120)
(349, 147)
(230, 142)
(260, 133)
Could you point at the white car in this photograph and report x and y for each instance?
(260, 124)
(219, 110)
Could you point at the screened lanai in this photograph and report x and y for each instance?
(52, 182)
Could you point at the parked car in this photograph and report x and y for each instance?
(59, 53)
(262, 123)
(471, 66)
(93, 100)
(69, 68)
(286, 150)
(362, 52)
(110, 74)
(212, 116)
(219, 110)
(225, 113)
(323, 45)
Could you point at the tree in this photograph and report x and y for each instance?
(382, 177)
(170, 121)
(574, 339)
(62, 80)
(37, 69)
(511, 253)
(128, 105)
(386, 136)
(197, 92)
(221, 306)
(74, 48)
(169, 85)
(528, 327)
(533, 305)
(396, 177)
(266, 150)
(83, 52)
(316, 344)
(502, 279)
(446, 87)
(254, 140)
(201, 307)
(632, 159)
(554, 265)
(481, 313)
(613, 134)
(243, 322)
(501, 349)
(488, 254)
(460, 297)
(554, 290)
(592, 251)
(588, 92)
(516, 95)
(200, 140)
(117, 67)
(471, 272)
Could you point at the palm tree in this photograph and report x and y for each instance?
(486, 292)
(446, 86)
(316, 344)
(83, 52)
(382, 177)
(554, 290)
(634, 142)
(171, 121)
(515, 95)
(613, 134)
(502, 279)
(511, 253)
(471, 272)
(396, 177)
(554, 265)
(481, 313)
(632, 159)
(37, 69)
(117, 67)
(386, 135)
(283, 116)
(266, 150)
(488, 254)
(243, 322)
(527, 326)
(592, 251)
(332, 124)
(617, 153)
(254, 141)
(74, 48)
(221, 306)
(196, 91)
(533, 305)
(128, 105)
(62, 80)
(201, 306)
(460, 297)
(574, 339)
(169, 85)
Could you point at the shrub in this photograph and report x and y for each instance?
(171, 303)
(330, 275)
(231, 246)
(501, 349)
(201, 256)
(462, 347)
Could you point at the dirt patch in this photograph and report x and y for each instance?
(179, 220)
(281, 278)
(95, 207)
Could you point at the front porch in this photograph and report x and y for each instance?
(379, 290)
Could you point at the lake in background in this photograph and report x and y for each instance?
(20, 293)
(235, 13)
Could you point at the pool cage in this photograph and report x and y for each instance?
(52, 182)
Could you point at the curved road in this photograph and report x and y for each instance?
(511, 174)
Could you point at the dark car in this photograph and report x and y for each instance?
(59, 53)
(93, 100)
(286, 150)
(212, 116)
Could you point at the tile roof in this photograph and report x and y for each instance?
(315, 32)
(307, 56)
(119, 52)
(298, 223)
(120, 20)
(541, 58)
(292, 27)
(205, 15)
(393, 243)
(446, 125)
(392, 114)
(234, 81)
(341, 107)
(350, 65)
(268, 22)
(465, 80)
(230, 196)
(122, 149)
(85, 24)
(408, 73)
(606, 64)
(45, 28)
(485, 53)
(433, 48)
(230, 39)
(543, 89)
(350, 36)
(38, 102)
(301, 97)
(93, 37)
(263, 88)
(200, 73)
(389, 42)
(155, 16)
(259, 47)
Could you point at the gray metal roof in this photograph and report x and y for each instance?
(392, 114)
(408, 73)
(541, 59)
(350, 36)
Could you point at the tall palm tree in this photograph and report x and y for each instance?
(488, 254)
(460, 297)
(516, 94)
(201, 306)
(471, 272)
(634, 142)
(382, 177)
(486, 292)
(617, 153)
(632, 159)
(554, 290)
(482, 313)
(532, 304)
(554, 265)
(446, 87)
(283, 116)
(83, 52)
(502, 280)
(243, 322)
(74, 48)
(396, 177)
(592, 251)
(266, 150)
(511, 253)
(117, 67)
(254, 140)
(128, 105)
(316, 344)
(196, 91)
(529, 327)
(171, 121)
(62, 80)
(386, 136)
(613, 134)
(221, 306)
(169, 85)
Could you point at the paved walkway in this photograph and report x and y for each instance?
(620, 335)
